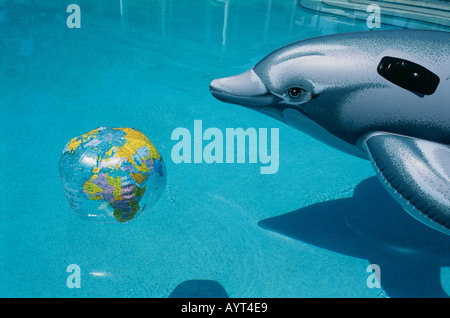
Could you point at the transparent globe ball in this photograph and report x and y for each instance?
(111, 175)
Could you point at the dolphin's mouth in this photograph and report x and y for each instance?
(247, 101)
(245, 89)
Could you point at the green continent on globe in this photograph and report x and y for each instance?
(122, 159)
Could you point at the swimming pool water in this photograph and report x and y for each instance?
(219, 230)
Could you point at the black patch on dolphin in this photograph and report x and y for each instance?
(408, 75)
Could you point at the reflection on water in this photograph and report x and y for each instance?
(197, 36)
(207, 25)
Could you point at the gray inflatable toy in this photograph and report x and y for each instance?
(379, 95)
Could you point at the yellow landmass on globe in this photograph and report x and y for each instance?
(109, 152)
(75, 142)
(89, 135)
(93, 189)
(138, 177)
(117, 184)
(135, 140)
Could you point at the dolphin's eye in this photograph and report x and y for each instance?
(295, 92)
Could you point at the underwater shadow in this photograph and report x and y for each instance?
(199, 288)
(372, 226)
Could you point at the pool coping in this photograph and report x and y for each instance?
(391, 11)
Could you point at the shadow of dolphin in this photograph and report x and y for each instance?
(199, 288)
(372, 226)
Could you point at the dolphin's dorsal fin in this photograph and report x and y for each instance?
(408, 75)
(416, 173)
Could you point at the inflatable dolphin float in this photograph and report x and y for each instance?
(379, 95)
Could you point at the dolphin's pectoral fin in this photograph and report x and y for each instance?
(416, 173)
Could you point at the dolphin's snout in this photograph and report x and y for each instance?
(245, 89)
(247, 84)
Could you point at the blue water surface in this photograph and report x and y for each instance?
(220, 230)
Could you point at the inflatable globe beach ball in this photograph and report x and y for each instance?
(111, 175)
